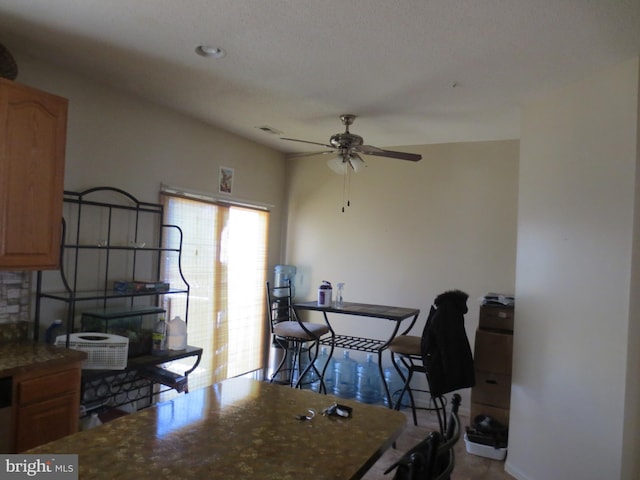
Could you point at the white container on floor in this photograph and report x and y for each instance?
(486, 451)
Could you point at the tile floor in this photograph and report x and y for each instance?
(468, 466)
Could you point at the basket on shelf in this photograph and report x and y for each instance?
(105, 351)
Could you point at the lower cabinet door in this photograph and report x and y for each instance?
(46, 421)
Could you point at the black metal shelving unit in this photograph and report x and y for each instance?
(109, 235)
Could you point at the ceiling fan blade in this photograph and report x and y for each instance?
(309, 154)
(306, 141)
(371, 150)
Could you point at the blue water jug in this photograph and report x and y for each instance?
(368, 385)
(283, 275)
(394, 383)
(345, 376)
(310, 377)
(329, 374)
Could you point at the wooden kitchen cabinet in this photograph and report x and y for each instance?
(33, 126)
(493, 352)
(47, 405)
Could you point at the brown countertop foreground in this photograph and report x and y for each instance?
(238, 428)
(16, 358)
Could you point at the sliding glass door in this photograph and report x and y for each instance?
(224, 260)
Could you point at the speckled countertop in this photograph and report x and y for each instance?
(238, 428)
(19, 357)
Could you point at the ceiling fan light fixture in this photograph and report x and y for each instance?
(340, 163)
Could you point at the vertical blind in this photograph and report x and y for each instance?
(224, 259)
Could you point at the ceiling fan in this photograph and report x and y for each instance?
(348, 146)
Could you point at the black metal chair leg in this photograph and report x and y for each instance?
(302, 373)
(406, 388)
(441, 411)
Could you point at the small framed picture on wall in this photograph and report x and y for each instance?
(226, 180)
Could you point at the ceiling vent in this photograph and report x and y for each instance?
(270, 130)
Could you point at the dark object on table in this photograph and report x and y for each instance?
(338, 410)
(8, 66)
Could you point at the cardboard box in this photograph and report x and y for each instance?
(496, 318)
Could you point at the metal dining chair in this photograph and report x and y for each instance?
(446, 458)
(406, 349)
(442, 353)
(293, 337)
(434, 457)
(419, 463)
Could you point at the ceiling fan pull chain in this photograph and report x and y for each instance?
(344, 190)
(346, 185)
(348, 169)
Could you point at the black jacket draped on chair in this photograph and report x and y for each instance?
(445, 347)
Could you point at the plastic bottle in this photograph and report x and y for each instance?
(177, 334)
(50, 333)
(329, 374)
(159, 338)
(91, 422)
(368, 385)
(345, 376)
(339, 300)
(325, 293)
(94, 421)
(394, 383)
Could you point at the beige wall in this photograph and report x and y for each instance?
(574, 395)
(118, 140)
(413, 230)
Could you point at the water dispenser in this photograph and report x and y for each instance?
(284, 274)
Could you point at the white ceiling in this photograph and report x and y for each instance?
(414, 71)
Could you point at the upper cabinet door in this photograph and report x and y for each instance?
(33, 129)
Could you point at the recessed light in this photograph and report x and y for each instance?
(209, 51)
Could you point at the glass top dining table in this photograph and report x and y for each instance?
(236, 429)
